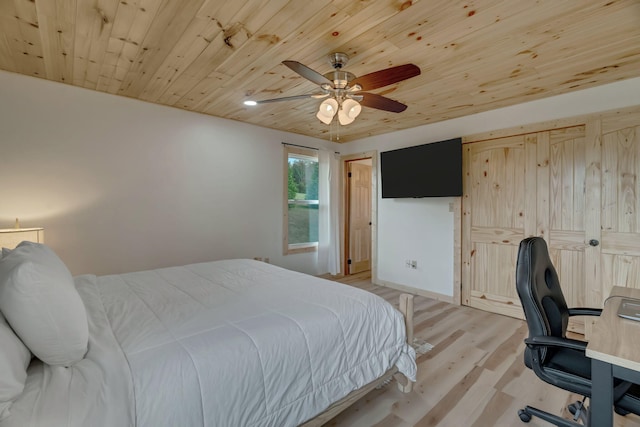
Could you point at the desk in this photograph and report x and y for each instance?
(614, 350)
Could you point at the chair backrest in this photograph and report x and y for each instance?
(539, 290)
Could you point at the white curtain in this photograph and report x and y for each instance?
(329, 220)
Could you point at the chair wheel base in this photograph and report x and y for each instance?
(621, 411)
(528, 412)
(573, 408)
(525, 417)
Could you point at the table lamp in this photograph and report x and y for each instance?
(11, 237)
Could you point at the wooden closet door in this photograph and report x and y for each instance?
(498, 212)
(620, 219)
(517, 187)
(578, 187)
(563, 223)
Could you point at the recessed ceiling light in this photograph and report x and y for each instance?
(249, 102)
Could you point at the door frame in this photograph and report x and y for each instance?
(373, 155)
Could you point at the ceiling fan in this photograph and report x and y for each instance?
(341, 90)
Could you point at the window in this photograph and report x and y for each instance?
(301, 200)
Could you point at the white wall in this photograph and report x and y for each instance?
(122, 185)
(422, 229)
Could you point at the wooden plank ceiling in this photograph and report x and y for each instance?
(210, 55)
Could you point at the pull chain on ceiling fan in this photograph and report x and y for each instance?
(342, 89)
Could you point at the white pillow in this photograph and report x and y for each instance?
(41, 303)
(14, 360)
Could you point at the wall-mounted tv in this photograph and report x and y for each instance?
(429, 170)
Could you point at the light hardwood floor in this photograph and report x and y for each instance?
(474, 376)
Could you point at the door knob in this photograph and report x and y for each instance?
(594, 242)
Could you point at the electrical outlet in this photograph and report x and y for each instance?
(407, 263)
(414, 264)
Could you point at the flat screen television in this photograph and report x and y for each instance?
(429, 170)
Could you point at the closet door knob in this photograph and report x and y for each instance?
(594, 242)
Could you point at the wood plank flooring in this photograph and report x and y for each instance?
(474, 376)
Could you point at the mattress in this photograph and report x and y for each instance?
(225, 343)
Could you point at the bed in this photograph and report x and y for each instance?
(224, 343)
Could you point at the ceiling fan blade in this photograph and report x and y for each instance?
(308, 73)
(382, 103)
(387, 76)
(288, 98)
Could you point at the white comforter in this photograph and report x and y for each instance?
(227, 343)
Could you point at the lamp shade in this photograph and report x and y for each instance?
(349, 111)
(11, 237)
(327, 110)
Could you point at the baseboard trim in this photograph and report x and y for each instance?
(416, 291)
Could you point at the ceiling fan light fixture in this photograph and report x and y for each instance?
(327, 110)
(349, 111)
(340, 89)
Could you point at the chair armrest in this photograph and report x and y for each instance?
(583, 311)
(546, 341)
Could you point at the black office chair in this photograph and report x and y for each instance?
(554, 358)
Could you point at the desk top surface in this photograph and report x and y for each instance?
(614, 339)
